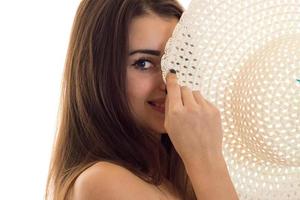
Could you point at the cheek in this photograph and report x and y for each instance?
(139, 92)
(139, 87)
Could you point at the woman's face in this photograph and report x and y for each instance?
(148, 35)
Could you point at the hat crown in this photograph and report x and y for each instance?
(261, 108)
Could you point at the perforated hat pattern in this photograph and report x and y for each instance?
(244, 57)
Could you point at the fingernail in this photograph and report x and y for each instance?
(173, 71)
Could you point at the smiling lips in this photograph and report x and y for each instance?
(158, 105)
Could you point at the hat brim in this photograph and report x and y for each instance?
(244, 56)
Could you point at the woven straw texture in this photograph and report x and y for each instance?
(244, 57)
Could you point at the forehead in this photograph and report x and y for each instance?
(150, 31)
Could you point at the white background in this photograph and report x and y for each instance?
(34, 36)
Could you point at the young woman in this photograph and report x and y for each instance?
(120, 134)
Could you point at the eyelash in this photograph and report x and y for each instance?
(139, 61)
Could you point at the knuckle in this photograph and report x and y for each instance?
(193, 110)
(172, 84)
(216, 112)
(171, 79)
(198, 94)
(175, 112)
(184, 88)
(194, 92)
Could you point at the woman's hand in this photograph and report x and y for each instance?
(192, 123)
(194, 127)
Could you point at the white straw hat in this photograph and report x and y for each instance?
(244, 57)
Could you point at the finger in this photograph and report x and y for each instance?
(199, 98)
(174, 92)
(212, 106)
(187, 96)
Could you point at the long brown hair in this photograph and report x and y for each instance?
(95, 120)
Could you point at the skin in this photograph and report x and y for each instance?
(144, 78)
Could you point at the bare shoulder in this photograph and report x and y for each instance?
(105, 181)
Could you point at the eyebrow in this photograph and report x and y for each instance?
(145, 51)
